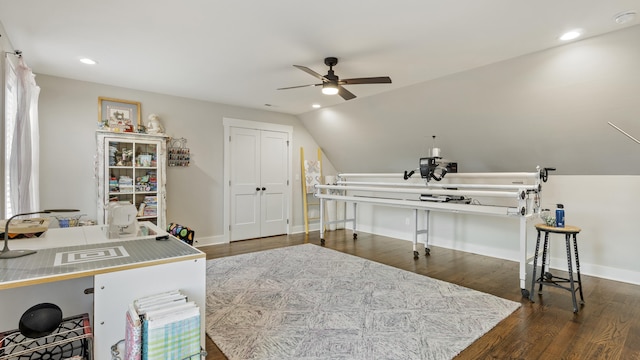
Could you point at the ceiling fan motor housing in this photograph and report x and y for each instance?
(331, 76)
(331, 61)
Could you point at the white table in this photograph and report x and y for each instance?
(73, 261)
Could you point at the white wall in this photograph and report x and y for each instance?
(68, 120)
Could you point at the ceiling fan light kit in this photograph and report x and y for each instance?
(329, 88)
(331, 83)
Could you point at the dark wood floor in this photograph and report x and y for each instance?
(606, 327)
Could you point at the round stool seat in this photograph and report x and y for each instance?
(569, 229)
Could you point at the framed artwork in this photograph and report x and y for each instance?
(118, 115)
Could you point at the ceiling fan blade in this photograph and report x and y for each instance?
(346, 94)
(367, 80)
(299, 86)
(311, 72)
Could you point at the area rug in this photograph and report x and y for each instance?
(308, 302)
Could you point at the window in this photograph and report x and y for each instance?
(21, 178)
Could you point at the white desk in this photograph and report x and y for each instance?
(71, 260)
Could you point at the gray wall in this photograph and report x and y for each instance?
(548, 108)
(68, 120)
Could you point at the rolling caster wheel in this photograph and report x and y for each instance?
(525, 293)
(355, 236)
(427, 251)
(416, 254)
(322, 242)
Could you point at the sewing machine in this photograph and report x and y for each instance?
(121, 220)
(515, 194)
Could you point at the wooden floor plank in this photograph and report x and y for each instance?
(606, 327)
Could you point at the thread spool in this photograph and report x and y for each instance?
(435, 152)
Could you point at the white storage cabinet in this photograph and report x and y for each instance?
(132, 167)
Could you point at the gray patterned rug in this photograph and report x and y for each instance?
(309, 302)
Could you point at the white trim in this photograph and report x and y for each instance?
(228, 123)
(209, 240)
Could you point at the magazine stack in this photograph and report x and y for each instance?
(162, 326)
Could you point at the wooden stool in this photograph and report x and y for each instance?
(546, 278)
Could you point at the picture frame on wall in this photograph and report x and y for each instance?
(118, 115)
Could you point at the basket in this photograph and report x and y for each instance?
(71, 340)
(69, 221)
(25, 228)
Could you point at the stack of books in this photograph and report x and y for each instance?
(162, 326)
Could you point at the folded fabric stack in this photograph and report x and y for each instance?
(125, 183)
(113, 184)
(153, 181)
(162, 326)
(151, 206)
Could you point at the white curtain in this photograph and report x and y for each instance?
(24, 157)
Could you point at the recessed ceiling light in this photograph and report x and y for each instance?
(316, 106)
(570, 35)
(624, 17)
(88, 61)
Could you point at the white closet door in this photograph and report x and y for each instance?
(273, 175)
(259, 189)
(245, 183)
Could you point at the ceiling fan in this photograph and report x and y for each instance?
(331, 83)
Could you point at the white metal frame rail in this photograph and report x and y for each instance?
(523, 198)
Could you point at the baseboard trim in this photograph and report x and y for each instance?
(560, 263)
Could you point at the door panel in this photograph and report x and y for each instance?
(245, 178)
(273, 174)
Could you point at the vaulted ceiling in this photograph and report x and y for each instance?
(240, 52)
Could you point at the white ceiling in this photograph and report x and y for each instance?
(239, 52)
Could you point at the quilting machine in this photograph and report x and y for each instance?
(506, 194)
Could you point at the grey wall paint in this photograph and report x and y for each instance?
(509, 116)
(68, 120)
(549, 108)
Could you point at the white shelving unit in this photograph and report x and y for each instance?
(132, 167)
